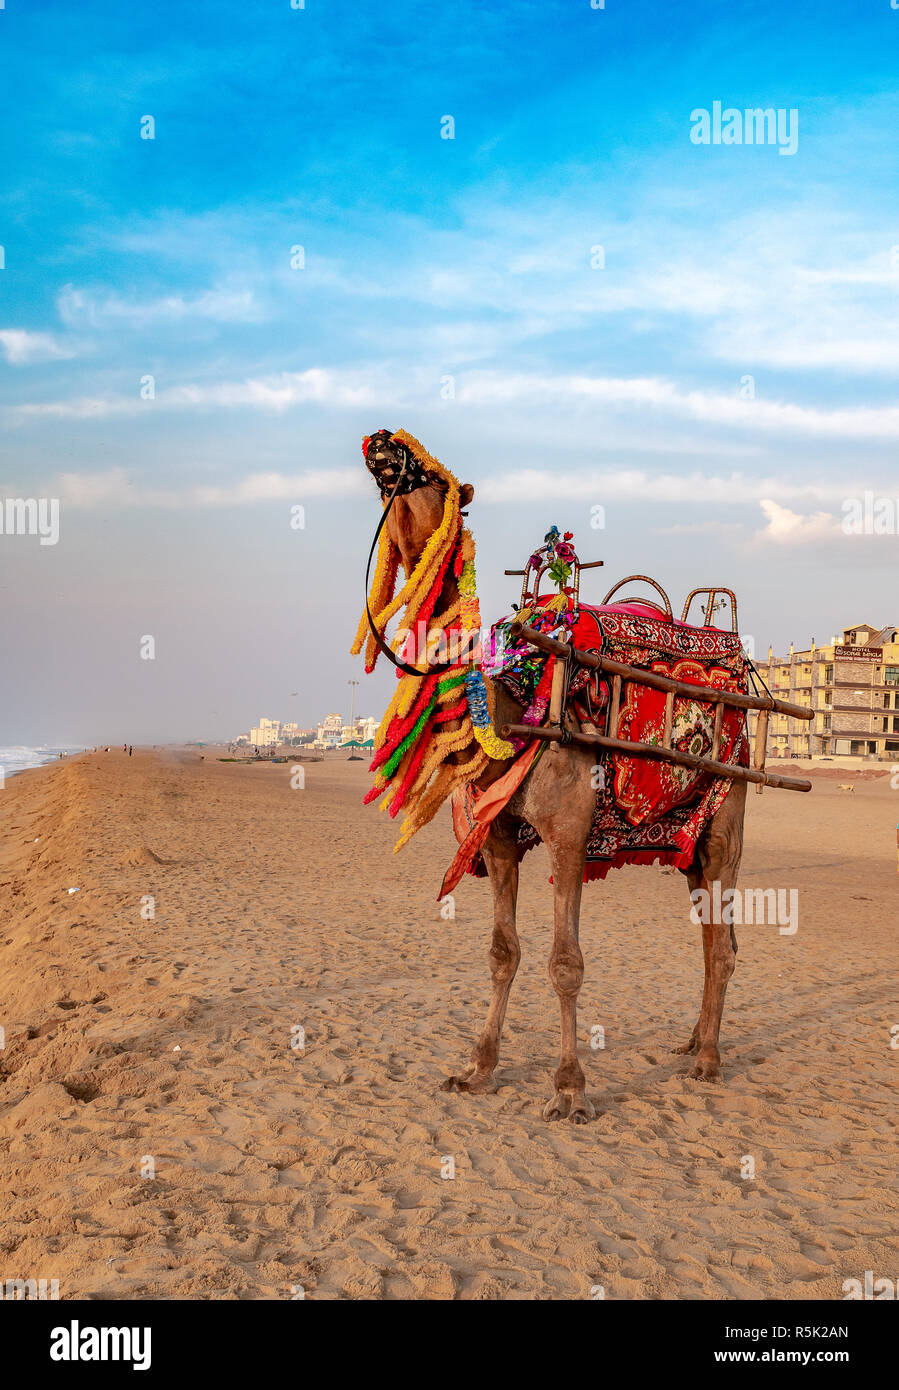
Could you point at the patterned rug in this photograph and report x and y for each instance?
(646, 812)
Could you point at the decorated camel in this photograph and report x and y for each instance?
(510, 730)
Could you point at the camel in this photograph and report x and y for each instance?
(556, 798)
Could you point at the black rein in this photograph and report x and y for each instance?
(379, 640)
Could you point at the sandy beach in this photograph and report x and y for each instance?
(163, 1046)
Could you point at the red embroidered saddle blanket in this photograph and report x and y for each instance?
(646, 811)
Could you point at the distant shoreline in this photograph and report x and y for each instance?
(22, 757)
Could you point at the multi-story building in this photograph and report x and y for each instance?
(852, 685)
(363, 731)
(330, 732)
(267, 735)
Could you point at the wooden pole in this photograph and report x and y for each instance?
(558, 687)
(614, 707)
(716, 733)
(669, 719)
(728, 771)
(556, 695)
(761, 744)
(587, 565)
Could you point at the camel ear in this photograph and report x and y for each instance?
(466, 493)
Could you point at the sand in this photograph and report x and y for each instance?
(163, 1046)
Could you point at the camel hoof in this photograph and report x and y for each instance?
(687, 1048)
(706, 1069)
(558, 1107)
(575, 1108)
(470, 1083)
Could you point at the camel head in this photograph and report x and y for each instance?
(418, 506)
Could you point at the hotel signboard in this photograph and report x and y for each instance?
(847, 653)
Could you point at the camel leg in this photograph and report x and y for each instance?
(558, 800)
(566, 970)
(501, 858)
(718, 858)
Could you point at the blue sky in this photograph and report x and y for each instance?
(427, 259)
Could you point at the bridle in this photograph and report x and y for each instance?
(411, 477)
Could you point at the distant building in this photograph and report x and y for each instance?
(369, 727)
(363, 731)
(852, 685)
(267, 735)
(330, 732)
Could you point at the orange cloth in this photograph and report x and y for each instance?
(487, 806)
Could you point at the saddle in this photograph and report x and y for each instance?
(662, 702)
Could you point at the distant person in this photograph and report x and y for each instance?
(130, 750)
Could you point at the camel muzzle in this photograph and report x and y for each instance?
(392, 465)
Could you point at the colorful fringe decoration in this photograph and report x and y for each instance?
(481, 718)
(432, 718)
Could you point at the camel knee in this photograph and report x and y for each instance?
(722, 959)
(727, 963)
(720, 856)
(504, 956)
(566, 970)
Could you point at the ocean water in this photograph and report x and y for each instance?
(16, 758)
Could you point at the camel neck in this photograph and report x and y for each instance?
(448, 596)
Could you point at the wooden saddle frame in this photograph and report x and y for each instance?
(562, 727)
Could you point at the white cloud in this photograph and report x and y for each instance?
(113, 489)
(79, 408)
(743, 288)
(21, 347)
(347, 389)
(744, 291)
(698, 528)
(110, 488)
(786, 527)
(707, 407)
(221, 304)
(638, 485)
(279, 392)
(281, 487)
(274, 394)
